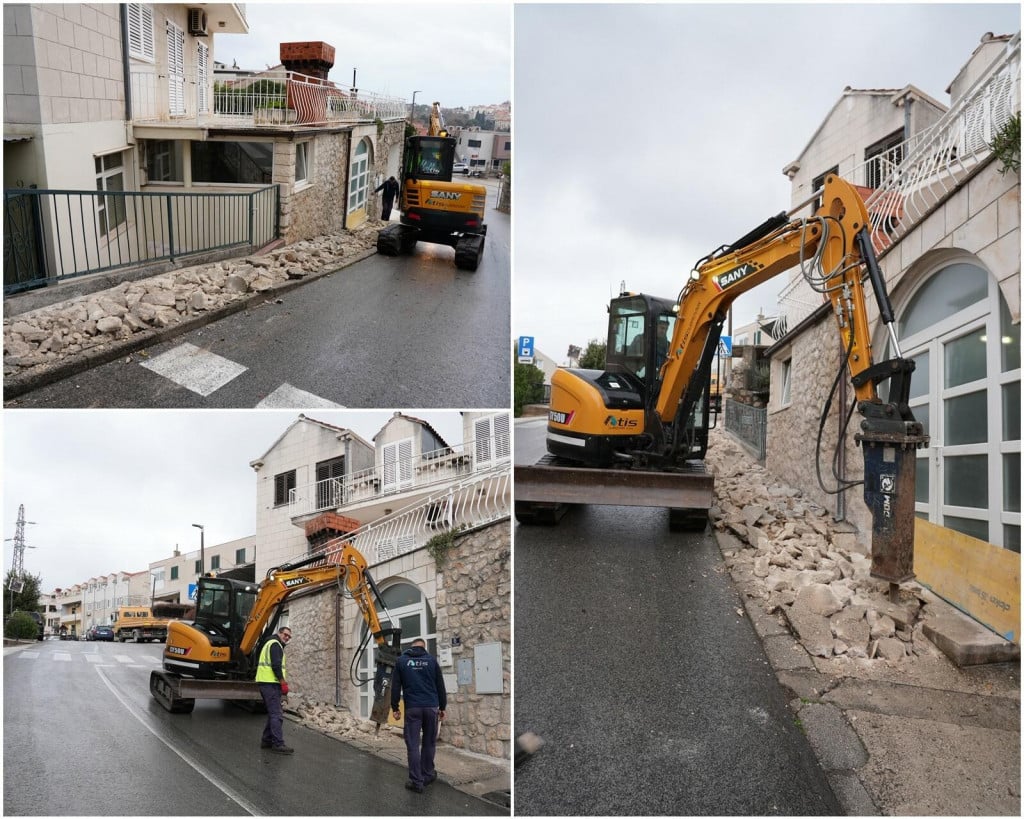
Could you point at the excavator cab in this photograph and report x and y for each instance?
(429, 158)
(208, 646)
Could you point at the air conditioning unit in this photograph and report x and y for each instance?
(197, 23)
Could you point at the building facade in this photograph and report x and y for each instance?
(952, 266)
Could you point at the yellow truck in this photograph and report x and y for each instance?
(138, 623)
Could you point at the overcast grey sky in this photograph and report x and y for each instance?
(458, 54)
(113, 490)
(646, 136)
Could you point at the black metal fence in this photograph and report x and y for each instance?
(749, 424)
(50, 235)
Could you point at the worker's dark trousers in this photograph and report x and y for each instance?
(272, 733)
(385, 213)
(420, 721)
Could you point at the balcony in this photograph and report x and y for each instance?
(365, 494)
(905, 184)
(272, 100)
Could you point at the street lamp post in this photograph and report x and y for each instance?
(202, 548)
(412, 110)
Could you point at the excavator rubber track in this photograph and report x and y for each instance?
(469, 251)
(546, 490)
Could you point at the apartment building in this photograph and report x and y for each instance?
(946, 227)
(396, 500)
(484, 151)
(156, 159)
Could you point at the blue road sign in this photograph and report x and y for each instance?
(526, 346)
(192, 589)
(725, 347)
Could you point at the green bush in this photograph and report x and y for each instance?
(20, 626)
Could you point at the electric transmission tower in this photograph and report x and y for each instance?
(18, 567)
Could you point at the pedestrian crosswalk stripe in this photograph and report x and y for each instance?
(62, 656)
(194, 368)
(124, 658)
(288, 397)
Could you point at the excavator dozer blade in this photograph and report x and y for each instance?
(544, 490)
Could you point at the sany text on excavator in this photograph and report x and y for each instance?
(216, 655)
(637, 433)
(434, 208)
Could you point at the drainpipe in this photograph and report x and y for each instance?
(126, 65)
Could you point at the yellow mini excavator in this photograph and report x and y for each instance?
(434, 208)
(215, 656)
(637, 432)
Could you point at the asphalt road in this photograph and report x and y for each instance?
(386, 332)
(83, 737)
(635, 664)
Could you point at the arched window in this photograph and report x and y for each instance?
(412, 613)
(966, 392)
(359, 177)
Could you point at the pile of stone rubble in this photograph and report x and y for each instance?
(799, 563)
(47, 336)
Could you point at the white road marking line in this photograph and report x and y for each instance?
(124, 658)
(194, 368)
(26, 654)
(237, 798)
(62, 657)
(288, 397)
(95, 658)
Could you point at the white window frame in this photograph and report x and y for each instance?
(203, 78)
(786, 397)
(399, 454)
(102, 211)
(932, 341)
(175, 70)
(304, 158)
(491, 441)
(359, 177)
(141, 32)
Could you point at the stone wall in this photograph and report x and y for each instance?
(471, 596)
(475, 605)
(319, 207)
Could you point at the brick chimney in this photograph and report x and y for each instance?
(312, 58)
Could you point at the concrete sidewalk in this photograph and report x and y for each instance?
(898, 728)
(481, 776)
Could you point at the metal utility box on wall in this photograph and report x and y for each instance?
(487, 668)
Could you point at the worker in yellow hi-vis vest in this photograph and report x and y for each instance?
(272, 678)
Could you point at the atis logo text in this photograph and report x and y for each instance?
(621, 423)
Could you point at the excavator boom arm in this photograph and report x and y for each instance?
(828, 240)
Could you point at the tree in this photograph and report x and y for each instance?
(593, 357)
(25, 600)
(20, 626)
(528, 386)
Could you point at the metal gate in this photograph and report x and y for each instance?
(23, 263)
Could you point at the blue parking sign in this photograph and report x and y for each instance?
(526, 346)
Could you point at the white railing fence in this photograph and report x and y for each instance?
(390, 478)
(472, 503)
(927, 167)
(272, 98)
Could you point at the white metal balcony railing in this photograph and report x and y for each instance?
(417, 472)
(934, 162)
(477, 501)
(272, 99)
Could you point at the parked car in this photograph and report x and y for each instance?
(89, 632)
(460, 167)
(103, 633)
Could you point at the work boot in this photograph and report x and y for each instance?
(266, 745)
(429, 779)
(282, 749)
(414, 787)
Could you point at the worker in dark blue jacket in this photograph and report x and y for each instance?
(418, 676)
